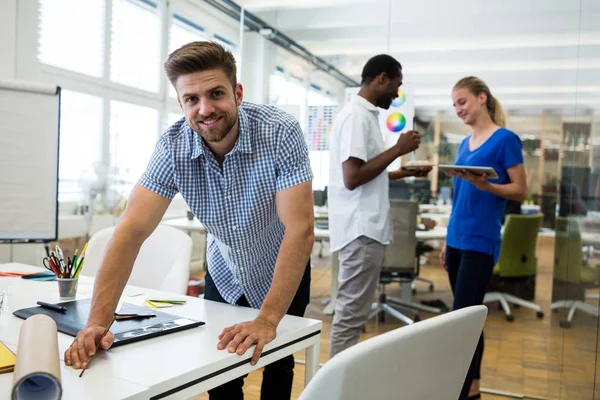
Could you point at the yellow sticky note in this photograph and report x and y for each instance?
(7, 359)
(174, 300)
(159, 304)
(149, 304)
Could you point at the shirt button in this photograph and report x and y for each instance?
(233, 227)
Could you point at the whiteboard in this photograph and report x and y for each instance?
(29, 133)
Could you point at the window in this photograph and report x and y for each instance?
(277, 89)
(110, 67)
(183, 31)
(80, 141)
(133, 136)
(173, 117)
(69, 38)
(135, 44)
(319, 162)
(227, 44)
(314, 97)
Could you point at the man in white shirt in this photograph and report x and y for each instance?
(358, 195)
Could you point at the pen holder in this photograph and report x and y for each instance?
(67, 288)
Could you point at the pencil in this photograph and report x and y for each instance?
(97, 346)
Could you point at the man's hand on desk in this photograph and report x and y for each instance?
(240, 337)
(84, 345)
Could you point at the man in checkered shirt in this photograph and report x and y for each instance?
(244, 171)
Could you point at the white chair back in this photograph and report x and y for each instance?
(423, 361)
(163, 262)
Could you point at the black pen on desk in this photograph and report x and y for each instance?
(51, 306)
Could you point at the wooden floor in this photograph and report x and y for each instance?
(530, 358)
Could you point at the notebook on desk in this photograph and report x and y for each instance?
(7, 359)
(125, 330)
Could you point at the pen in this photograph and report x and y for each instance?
(52, 306)
(97, 347)
(61, 259)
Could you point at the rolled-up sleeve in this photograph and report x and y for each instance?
(159, 176)
(292, 160)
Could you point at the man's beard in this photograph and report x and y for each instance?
(218, 133)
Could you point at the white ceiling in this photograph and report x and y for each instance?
(534, 54)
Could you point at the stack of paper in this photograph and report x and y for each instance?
(7, 359)
(161, 302)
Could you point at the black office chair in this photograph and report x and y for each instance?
(401, 264)
(319, 197)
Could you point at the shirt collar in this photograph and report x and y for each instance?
(242, 145)
(366, 104)
(244, 142)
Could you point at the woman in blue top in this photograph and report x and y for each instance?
(473, 242)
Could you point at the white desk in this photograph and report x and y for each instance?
(437, 233)
(178, 365)
(587, 238)
(437, 209)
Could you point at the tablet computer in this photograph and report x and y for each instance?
(491, 173)
(125, 331)
(414, 166)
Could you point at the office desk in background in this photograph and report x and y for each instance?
(185, 224)
(178, 365)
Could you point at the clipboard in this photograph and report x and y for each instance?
(126, 331)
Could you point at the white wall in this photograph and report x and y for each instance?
(8, 37)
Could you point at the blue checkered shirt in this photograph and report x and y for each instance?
(236, 204)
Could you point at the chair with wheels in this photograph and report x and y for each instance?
(571, 277)
(401, 264)
(517, 265)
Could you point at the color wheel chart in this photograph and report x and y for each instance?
(398, 118)
(320, 124)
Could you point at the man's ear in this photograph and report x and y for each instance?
(382, 78)
(239, 94)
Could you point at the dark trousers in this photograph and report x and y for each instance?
(277, 376)
(469, 273)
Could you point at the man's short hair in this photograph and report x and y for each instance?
(377, 65)
(200, 56)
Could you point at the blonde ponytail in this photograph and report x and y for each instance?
(493, 106)
(496, 111)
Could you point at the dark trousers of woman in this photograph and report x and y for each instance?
(470, 273)
(277, 376)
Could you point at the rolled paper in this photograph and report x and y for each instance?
(37, 369)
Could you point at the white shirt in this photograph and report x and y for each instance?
(364, 210)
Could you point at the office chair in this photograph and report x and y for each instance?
(401, 264)
(517, 262)
(422, 250)
(319, 198)
(163, 262)
(571, 277)
(425, 361)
